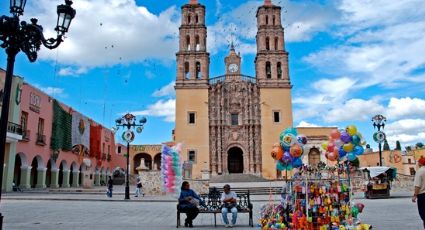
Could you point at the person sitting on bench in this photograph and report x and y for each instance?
(228, 199)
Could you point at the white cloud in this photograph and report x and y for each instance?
(354, 110)
(407, 131)
(110, 32)
(406, 107)
(70, 71)
(52, 91)
(167, 90)
(162, 108)
(306, 124)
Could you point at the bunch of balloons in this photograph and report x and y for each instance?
(343, 143)
(171, 169)
(289, 150)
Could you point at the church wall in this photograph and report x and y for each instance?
(193, 136)
(273, 99)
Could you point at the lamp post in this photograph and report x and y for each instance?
(129, 121)
(16, 36)
(378, 122)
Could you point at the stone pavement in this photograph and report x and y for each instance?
(96, 211)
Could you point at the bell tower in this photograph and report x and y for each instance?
(192, 78)
(233, 62)
(271, 65)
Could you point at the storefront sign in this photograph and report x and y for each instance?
(146, 148)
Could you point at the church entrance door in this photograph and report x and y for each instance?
(235, 160)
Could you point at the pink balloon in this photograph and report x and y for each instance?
(335, 134)
(331, 146)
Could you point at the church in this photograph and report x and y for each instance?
(228, 124)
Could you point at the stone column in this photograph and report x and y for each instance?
(65, 181)
(97, 179)
(54, 179)
(75, 179)
(25, 177)
(41, 178)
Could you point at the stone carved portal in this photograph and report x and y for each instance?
(235, 160)
(234, 118)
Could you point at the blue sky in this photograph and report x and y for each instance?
(349, 60)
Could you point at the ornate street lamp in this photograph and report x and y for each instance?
(129, 121)
(378, 122)
(16, 36)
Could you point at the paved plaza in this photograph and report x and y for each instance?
(95, 211)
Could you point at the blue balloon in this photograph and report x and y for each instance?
(280, 166)
(291, 130)
(351, 156)
(358, 150)
(297, 162)
(342, 153)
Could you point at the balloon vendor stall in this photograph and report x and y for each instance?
(171, 169)
(316, 197)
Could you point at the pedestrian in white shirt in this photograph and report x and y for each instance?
(419, 193)
(228, 200)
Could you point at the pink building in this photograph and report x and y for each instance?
(57, 148)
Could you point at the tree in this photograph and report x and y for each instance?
(397, 145)
(386, 146)
(419, 145)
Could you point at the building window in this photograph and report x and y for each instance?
(24, 120)
(267, 43)
(188, 42)
(276, 116)
(192, 117)
(234, 119)
(188, 19)
(279, 70)
(409, 161)
(267, 19)
(268, 70)
(196, 19)
(186, 70)
(198, 70)
(40, 126)
(198, 45)
(119, 150)
(276, 43)
(191, 156)
(274, 20)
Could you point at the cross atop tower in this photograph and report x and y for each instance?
(268, 2)
(193, 2)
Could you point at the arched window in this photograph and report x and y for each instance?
(188, 19)
(198, 70)
(198, 46)
(268, 70)
(267, 43)
(186, 70)
(267, 19)
(274, 20)
(196, 19)
(188, 42)
(279, 70)
(276, 43)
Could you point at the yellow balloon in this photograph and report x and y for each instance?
(351, 129)
(348, 147)
(325, 145)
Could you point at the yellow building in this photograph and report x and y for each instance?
(229, 123)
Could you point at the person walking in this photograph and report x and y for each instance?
(228, 199)
(139, 188)
(419, 194)
(110, 186)
(188, 203)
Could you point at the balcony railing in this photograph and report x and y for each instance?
(26, 135)
(14, 128)
(218, 79)
(41, 139)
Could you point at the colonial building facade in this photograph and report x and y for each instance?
(229, 123)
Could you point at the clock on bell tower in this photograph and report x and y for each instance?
(232, 62)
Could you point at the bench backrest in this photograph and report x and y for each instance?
(213, 199)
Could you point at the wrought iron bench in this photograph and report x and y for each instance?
(213, 205)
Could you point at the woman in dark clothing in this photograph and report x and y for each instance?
(110, 185)
(188, 202)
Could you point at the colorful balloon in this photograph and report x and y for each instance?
(325, 145)
(358, 150)
(297, 162)
(345, 137)
(335, 134)
(277, 152)
(348, 147)
(296, 150)
(355, 140)
(351, 129)
(302, 139)
(332, 156)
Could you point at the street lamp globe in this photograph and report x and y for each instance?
(65, 15)
(17, 7)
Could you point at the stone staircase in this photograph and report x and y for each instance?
(232, 178)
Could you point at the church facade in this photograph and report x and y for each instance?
(229, 123)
